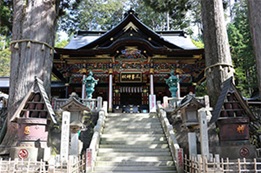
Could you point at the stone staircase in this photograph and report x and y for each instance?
(133, 143)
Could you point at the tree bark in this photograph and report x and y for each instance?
(254, 8)
(36, 21)
(218, 58)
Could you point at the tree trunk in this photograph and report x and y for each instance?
(32, 44)
(254, 8)
(218, 58)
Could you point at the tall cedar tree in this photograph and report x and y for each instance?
(217, 53)
(36, 21)
(215, 39)
(254, 8)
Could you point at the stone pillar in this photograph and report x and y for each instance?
(192, 142)
(99, 103)
(64, 149)
(165, 102)
(203, 132)
(110, 90)
(74, 146)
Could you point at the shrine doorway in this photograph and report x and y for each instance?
(131, 99)
(131, 102)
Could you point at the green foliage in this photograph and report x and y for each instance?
(61, 44)
(5, 56)
(201, 89)
(242, 51)
(5, 17)
(92, 15)
(198, 43)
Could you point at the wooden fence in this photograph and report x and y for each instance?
(22, 166)
(202, 165)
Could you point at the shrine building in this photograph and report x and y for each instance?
(131, 62)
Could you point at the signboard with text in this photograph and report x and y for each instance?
(131, 77)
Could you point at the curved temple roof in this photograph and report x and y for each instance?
(170, 39)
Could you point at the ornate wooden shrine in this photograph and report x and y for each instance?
(232, 117)
(131, 62)
(33, 116)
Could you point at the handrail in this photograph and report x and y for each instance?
(176, 151)
(91, 152)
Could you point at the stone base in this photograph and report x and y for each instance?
(30, 153)
(235, 152)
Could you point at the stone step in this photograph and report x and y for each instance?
(151, 169)
(134, 163)
(134, 150)
(131, 115)
(134, 154)
(134, 145)
(132, 131)
(131, 142)
(130, 171)
(130, 120)
(135, 158)
(132, 137)
(156, 124)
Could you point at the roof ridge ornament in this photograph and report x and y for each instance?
(130, 26)
(131, 12)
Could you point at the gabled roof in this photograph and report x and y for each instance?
(230, 89)
(37, 90)
(190, 99)
(130, 31)
(74, 105)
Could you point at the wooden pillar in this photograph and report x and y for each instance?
(151, 81)
(83, 86)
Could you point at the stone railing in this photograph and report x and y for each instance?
(176, 151)
(92, 104)
(91, 152)
(170, 103)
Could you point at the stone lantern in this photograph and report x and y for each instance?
(76, 109)
(33, 116)
(188, 108)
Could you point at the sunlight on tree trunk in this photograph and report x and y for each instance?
(32, 43)
(254, 8)
(218, 58)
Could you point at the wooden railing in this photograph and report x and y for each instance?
(203, 165)
(28, 166)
